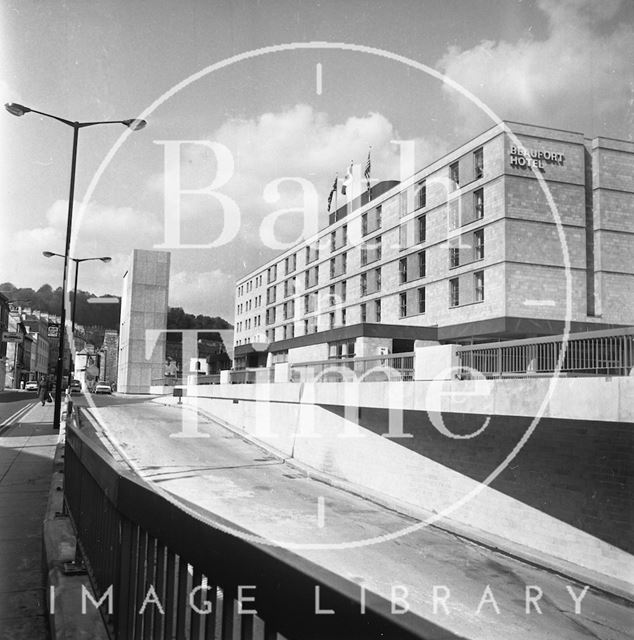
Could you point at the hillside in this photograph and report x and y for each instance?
(105, 316)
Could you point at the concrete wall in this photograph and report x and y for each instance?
(143, 308)
(468, 453)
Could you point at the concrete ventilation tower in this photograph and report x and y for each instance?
(143, 308)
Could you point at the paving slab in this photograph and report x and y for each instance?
(27, 450)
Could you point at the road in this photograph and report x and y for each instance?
(13, 404)
(229, 476)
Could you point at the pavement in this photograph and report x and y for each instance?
(27, 450)
(474, 591)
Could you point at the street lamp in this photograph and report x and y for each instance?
(50, 254)
(135, 124)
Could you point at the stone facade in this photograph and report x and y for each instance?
(521, 222)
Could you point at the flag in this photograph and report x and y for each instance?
(366, 171)
(347, 180)
(332, 193)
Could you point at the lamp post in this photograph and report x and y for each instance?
(50, 254)
(135, 124)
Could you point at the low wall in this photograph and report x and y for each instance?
(468, 454)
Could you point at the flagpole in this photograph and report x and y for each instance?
(368, 177)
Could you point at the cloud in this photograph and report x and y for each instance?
(295, 142)
(298, 142)
(584, 60)
(100, 231)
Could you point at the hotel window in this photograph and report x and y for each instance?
(421, 195)
(305, 326)
(478, 244)
(478, 164)
(344, 290)
(311, 277)
(402, 237)
(331, 320)
(364, 312)
(364, 255)
(312, 252)
(306, 304)
(332, 267)
(402, 270)
(454, 257)
(270, 295)
(479, 285)
(454, 174)
(377, 310)
(377, 273)
(272, 273)
(364, 224)
(289, 287)
(344, 262)
(379, 215)
(421, 300)
(344, 234)
(364, 284)
(402, 299)
(270, 316)
(421, 224)
(403, 203)
(343, 317)
(454, 292)
(422, 264)
(331, 295)
(379, 247)
(333, 241)
(478, 201)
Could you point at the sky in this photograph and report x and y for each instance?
(249, 135)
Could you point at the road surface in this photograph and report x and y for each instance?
(471, 590)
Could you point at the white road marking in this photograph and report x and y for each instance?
(321, 512)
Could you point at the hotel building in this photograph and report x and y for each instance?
(472, 248)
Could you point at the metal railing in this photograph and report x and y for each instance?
(396, 366)
(171, 381)
(133, 540)
(251, 375)
(591, 353)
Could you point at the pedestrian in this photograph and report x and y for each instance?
(43, 390)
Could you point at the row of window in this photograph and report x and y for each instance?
(478, 286)
(371, 221)
(249, 323)
(338, 266)
(247, 287)
(245, 307)
(405, 303)
(407, 306)
(478, 168)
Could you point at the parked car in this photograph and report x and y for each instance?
(102, 387)
(31, 385)
(75, 386)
